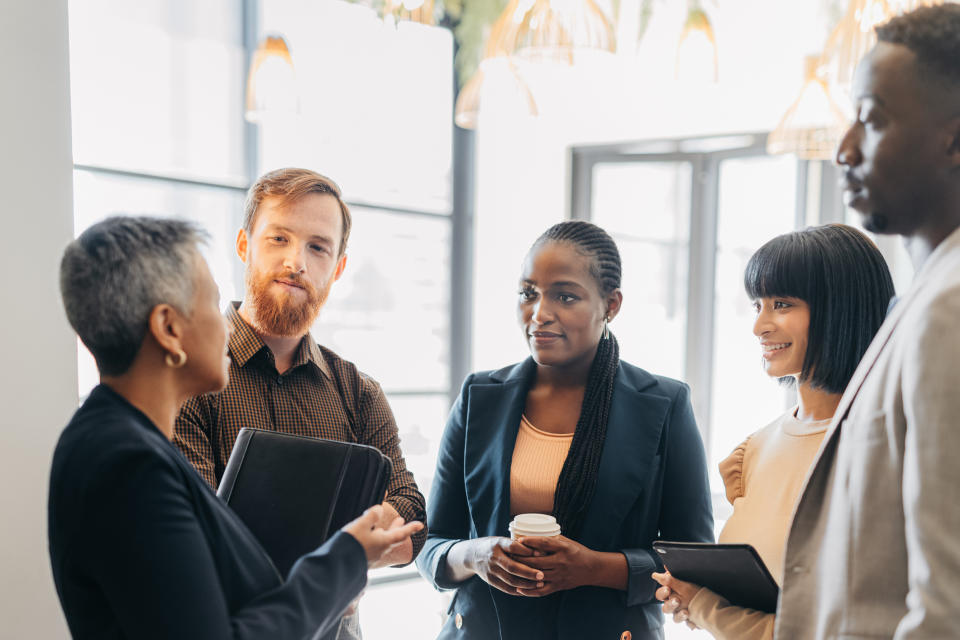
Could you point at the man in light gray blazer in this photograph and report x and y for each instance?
(874, 550)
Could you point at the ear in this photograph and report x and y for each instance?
(341, 265)
(614, 301)
(242, 245)
(165, 326)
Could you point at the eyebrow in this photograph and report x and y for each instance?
(280, 227)
(559, 283)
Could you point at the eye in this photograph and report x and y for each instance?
(527, 294)
(781, 304)
(567, 298)
(756, 306)
(277, 239)
(319, 248)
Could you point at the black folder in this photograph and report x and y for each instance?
(734, 571)
(294, 492)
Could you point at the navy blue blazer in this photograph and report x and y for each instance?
(141, 547)
(652, 484)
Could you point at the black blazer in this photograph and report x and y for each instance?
(141, 547)
(652, 484)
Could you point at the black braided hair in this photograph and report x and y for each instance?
(578, 479)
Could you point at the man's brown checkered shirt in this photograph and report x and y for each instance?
(304, 400)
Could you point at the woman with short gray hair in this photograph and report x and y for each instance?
(140, 545)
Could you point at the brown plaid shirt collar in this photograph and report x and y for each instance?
(245, 344)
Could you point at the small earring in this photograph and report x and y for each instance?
(606, 328)
(181, 359)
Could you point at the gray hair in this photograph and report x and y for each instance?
(116, 272)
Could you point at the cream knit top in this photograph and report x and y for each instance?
(763, 478)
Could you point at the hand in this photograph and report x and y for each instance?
(566, 564)
(400, 553)
(375, 539)
(676, 596)
(493, 559)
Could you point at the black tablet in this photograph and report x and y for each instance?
(734, 571)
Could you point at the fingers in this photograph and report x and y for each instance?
(518, 569)
(681, 616)
(400, 532)
(662, 593)
(671, 605)
(547, 545)
(514, 547)
(663, 578)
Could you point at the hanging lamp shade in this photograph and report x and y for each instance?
(500, 46)
(813, 125)
(271, 82)
(854, 35)
(553, 30)
(697, 48)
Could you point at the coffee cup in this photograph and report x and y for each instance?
(540, 525)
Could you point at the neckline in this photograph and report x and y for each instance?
(546, 434)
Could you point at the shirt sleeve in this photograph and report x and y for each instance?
(380, 431)
(192, 435)
(449, 513)
(148, 553)
(686, 509)
(725, 621)
(731, 470)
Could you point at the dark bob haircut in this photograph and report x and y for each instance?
(845, 281)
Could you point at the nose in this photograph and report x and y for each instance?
(293, 259)
(541, 312)
(848, 152)
(762, 323)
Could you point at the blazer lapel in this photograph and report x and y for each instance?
(633, 436)
(493, 416)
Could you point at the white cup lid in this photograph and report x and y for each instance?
(535, 523)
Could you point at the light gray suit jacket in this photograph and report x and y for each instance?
(874, 549)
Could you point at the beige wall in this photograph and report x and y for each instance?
(38, 377)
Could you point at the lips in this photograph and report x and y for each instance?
(545, 337)
(289, 283)
(771, 349)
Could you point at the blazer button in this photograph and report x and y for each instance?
(626, 635)
(458, 621)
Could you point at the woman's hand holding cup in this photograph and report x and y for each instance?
(492, 558)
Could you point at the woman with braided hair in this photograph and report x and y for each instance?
(609, 449)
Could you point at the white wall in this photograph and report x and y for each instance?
(38, 378)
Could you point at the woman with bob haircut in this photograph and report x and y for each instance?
(608, 449)
(820, 296)
(140, 545)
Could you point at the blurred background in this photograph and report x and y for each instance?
(459, 130)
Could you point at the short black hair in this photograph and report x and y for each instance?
(839, 272)
(932, 34)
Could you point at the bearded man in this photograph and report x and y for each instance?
(293, 243)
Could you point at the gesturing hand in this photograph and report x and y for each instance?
(490, 558)
(566, 564)
(377, 540)
(676, 596)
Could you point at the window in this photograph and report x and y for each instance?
(156, 90)
(687, 215)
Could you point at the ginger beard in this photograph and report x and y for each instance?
(284, 313)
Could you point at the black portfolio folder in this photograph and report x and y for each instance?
(293, 492)
(734, 571)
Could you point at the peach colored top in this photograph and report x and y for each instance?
(538, 458)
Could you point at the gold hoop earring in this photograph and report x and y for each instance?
(181, 359)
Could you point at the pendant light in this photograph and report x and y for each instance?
(271, 82)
